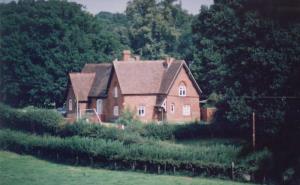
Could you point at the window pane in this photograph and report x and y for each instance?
(116, 92)
(172, 108)
(116, 110)
(182, 90)
(70, 105)
(186, 111)
(99, 106)
(141, 111)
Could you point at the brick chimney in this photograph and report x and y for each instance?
(168, 62)
(137, 58)
(127, 55)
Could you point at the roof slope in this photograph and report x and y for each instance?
(142, 77)
(135, 77)
(146, 77)
(99, 86)
(81, 84)
(169, 76)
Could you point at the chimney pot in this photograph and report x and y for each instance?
(137, 58)
(168, 62)
(126, 55)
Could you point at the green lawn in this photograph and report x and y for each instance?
(26, 170)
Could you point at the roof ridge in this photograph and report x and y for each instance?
(98, 64)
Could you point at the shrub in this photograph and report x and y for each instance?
(127, 118)
(163, 132)
(31, 119)
(211, 160)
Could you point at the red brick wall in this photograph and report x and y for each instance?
(192, 98)
(71, 95)
(111, 101)
(207, 114)
(93, 105)
(81, 105)
(132, 102)
(149, 101)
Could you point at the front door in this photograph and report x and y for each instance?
(161, 114)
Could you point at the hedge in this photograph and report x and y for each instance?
(31, 119)
(42, 121)
(136, 156)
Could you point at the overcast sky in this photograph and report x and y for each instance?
(95, 6)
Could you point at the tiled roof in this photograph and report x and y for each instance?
(135, 77)
(82, 83)
(99, 86)
(145, 77)
(169, 75)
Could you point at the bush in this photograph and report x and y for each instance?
(127, 118)
(162, 132)
(210, 160)
(31, 119)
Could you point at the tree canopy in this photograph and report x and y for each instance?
(247, 51)
(159, 28)
(41, 42)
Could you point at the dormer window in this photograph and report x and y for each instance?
(116, 91)
(182, 89)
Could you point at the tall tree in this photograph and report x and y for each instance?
(41, 41)
(241, 53)
(249, 54)
(157, 27)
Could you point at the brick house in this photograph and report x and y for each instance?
(157, 90)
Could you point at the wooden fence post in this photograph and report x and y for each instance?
(253, 131)
(232, 170)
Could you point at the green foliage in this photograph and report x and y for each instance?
(213, 99)
(31, 119)
(258, 160)
(248, 51)
(115, 24)
(157, 29)
(31, 168)
(127, 118)
(41, 41)
(249, 59)
(162, 132)
(207, 160)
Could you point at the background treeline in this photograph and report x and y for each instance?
(42, 41)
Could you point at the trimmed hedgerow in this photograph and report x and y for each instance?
(211, 161)
(31, 119)
(42, 121)
(162, 132)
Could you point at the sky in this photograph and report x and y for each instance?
(95, 6)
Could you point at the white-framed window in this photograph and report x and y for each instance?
(116, 110)
(70, 104)
(141, 110)
(186, 110)
(116, 91)
(99, 106)
(172, 108)
(182, 90)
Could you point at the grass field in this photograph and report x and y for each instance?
(18, 169)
